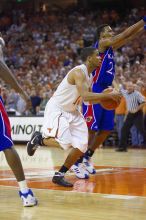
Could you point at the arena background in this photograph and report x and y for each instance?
(35, 4)
(16, 27)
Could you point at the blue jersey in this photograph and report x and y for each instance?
(98, 118)
(103, 76)
(5, 129)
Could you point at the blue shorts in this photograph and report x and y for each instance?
(5, 129)
(98, 118)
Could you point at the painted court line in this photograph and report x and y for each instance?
(108, 196)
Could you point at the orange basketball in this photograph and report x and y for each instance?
(109, 104)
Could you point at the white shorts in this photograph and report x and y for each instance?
(68, 128)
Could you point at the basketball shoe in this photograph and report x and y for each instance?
(34, 143)
(28, 198)
(88, 165)
(59, 179)
(79, 171)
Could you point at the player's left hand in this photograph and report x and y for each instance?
(116, 96)
(109, 89)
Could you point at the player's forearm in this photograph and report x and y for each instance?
(7, 77)
(129, 39)
(95, 97)
(129, 32)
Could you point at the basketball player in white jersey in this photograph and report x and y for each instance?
(62, 119)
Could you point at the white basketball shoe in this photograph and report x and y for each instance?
(79, 171)
(89, 166)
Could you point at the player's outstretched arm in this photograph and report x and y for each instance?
(82, 86)
(128, 39)
(7, 76)
(122, 38)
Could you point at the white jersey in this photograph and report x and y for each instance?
(67, 96)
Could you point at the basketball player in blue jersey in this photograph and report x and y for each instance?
(6, 143)
(99, 120)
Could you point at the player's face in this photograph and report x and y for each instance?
(96, 59)
(108, 32)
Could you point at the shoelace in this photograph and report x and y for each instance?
(88, 163)
(59, 174)
(77, 170)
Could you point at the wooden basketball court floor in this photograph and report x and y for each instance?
(116, 192)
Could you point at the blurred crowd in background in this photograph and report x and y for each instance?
(42, 47)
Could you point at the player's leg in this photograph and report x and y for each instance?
(13, 159)
(50, 126)
(64, 139)
(92, 120)
(105, 124)
(79, 133)
(70, 134)
(14, 163)
(38, 139)
(73, 156)
(98, 139)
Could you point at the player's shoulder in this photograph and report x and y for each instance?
(81, 68)
(78, 71)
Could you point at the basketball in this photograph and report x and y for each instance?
(109, 104)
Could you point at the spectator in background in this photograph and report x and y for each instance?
(20, 107)
(12, 100)
(135, 102)
(137, 138)
(120, 113)
(35, 100)
(35, 44)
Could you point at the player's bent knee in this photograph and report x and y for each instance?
(65, 146)
(82, 148)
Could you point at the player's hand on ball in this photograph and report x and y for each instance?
(116, 96)
(108, 90)
(113, 100)
(113, 94)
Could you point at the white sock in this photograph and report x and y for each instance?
(23, 186)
